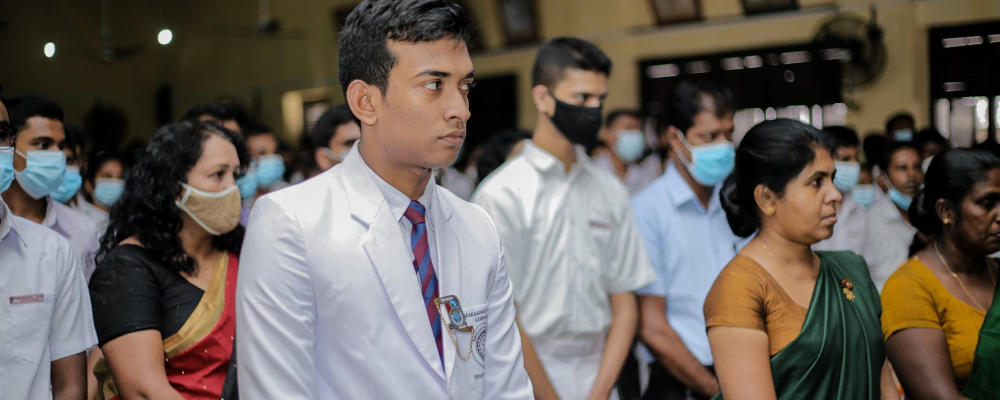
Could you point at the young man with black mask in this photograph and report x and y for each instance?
(570, 240)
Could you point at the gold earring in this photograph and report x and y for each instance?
(946, 220)
(769, 211)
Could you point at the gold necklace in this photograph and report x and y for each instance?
(962, 284)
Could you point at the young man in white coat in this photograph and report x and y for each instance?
(369, 281)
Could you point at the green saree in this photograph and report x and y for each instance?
(838, 354)
(984, 382)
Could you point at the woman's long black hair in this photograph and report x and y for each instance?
(146, 209)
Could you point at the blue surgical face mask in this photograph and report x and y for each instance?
(902, 201)
(630, 145)
(248, 185)
(6, 167)
(107, 191)
(269, 169)
(864, 195)
(71, 182)
(43, 172)
(336, 158)
(902, 135)
(848, 173)
(711, 163)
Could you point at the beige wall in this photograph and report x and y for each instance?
(202, 65)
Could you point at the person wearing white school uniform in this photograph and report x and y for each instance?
(369, 281)
(573, 249)
(40, 164)
(850, 231)
(889, 232)
(44, 304)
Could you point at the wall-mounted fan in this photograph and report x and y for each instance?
(858, 43)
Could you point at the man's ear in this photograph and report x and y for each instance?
(363, 99)
(544, 102)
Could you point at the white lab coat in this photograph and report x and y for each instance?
(329, 307)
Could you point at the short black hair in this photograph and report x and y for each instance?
(614, 114)
(217, 111)
(899, 116)
(686, 101)
(362, 52)
(891, 149)
(23, 108)
(562, 53)
(256, 129)
(842, 135)
(771, 154)
(928, 135)
(96, 160)
(327, 126)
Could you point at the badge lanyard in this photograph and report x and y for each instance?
(455, 321)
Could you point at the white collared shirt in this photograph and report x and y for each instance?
(688, 245)
(99, 216)
(889, 238)
(570, 241)
(44, 306)
(81, 232)
(851, 230)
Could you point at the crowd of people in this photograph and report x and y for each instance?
(617, 256)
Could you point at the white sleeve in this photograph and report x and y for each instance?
(72, 318)
(275, 309)
(630, 266)
(507, 224)
(506, 377)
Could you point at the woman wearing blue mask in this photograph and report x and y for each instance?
(166, 279)
(103, 185)
(889, 231)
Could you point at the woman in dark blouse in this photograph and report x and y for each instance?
(163, 292)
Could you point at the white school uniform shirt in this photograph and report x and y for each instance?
(851, 230)
(570, 242)
(44, 306)
(81, 232)
(637, 176)
(889, 238)
(99, 216)
(329, 304)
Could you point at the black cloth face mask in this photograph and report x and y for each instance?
(578, 124)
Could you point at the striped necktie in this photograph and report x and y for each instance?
(424, 268)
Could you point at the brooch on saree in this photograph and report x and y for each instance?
(847, 285)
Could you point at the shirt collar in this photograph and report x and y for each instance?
(545, 161)
(398, 201)
(7, 226)
(680, 191)
(50, 220)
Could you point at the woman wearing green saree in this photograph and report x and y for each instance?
(940, 300)
(783, 321)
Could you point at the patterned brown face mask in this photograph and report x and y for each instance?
(216, 212)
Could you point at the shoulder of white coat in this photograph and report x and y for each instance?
(307, 197)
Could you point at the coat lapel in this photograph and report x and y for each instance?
(448, 268)
(391, 258)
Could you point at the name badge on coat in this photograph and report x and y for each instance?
(467, 331)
